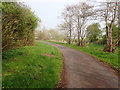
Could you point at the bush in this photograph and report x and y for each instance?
(103, 40)
(18, 24)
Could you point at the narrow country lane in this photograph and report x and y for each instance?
(84, 71)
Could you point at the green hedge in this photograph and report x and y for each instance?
(18, 24)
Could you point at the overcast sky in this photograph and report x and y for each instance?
(49, 11)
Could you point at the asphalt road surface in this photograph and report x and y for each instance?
(84, 71)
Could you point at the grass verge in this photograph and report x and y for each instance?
(96, 51)
(26, 67)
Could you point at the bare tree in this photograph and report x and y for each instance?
(109, 13)
(67, 15)
(74, 36)
(82, 14)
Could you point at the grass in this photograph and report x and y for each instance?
(27, 68)
(96, 51)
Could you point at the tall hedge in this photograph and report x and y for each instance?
(18, 25)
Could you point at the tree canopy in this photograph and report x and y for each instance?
(18, 24)
(93, 32)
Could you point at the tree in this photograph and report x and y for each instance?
(67, 15)
(82, 14)
(115, 32)
(18, 24)
(55, 35)
(49, 34)
(42, 34)
(93, 32)
(109, 14)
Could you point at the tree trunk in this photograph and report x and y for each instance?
(78, 28)
(69, 41)
(78, 44)
(109, 46)
(82, 44)
(70, 35)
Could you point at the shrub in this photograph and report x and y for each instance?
(18, 24)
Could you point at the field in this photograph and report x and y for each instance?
(36, 66)
(96, 51)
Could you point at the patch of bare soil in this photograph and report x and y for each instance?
(49, 55)
(63, 81)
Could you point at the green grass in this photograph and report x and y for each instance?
(96, 51)
(27, 68)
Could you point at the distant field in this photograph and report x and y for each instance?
(96, 51)
(26, 67)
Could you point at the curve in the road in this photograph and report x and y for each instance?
(83, 71)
